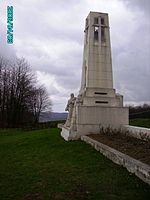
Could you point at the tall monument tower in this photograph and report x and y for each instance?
(97, 65)
(97, 104)
(97, 78)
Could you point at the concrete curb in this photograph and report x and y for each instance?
(137, 132)
(140, 169)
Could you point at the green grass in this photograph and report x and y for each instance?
(140, 122)
(40, 165)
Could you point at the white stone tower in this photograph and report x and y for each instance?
(97, 65)
(97, 80)
(97, 105)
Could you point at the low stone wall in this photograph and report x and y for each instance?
(137, 132)
(134, 166)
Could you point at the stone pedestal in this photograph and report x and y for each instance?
(69, 134)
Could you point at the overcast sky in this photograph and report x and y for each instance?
(49, 34)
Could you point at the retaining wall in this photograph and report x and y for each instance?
(134, 166)
(137, 132)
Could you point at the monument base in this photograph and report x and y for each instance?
(90, 120)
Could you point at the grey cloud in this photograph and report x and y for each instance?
(73, 80)
(143, 5)
(49, 34)
(132, 70)
(131, 58)
(6, 50)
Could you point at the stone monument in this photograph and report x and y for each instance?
(97, 104)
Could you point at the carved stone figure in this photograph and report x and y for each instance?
(69, 108)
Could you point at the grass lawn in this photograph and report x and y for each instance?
(140, 122)
(40, 165)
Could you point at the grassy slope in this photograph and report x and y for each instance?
(140, 122)
(40, 165)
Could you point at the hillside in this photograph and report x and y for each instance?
(53, 116)
(40, 165)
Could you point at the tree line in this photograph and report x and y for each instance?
(141, 111)
(21, 98)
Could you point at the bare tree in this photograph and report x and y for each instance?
(40, 102)
(21, 100)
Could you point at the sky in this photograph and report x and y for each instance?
(50, 34)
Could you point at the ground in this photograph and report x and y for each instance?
(40, 165)
(140, 122)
